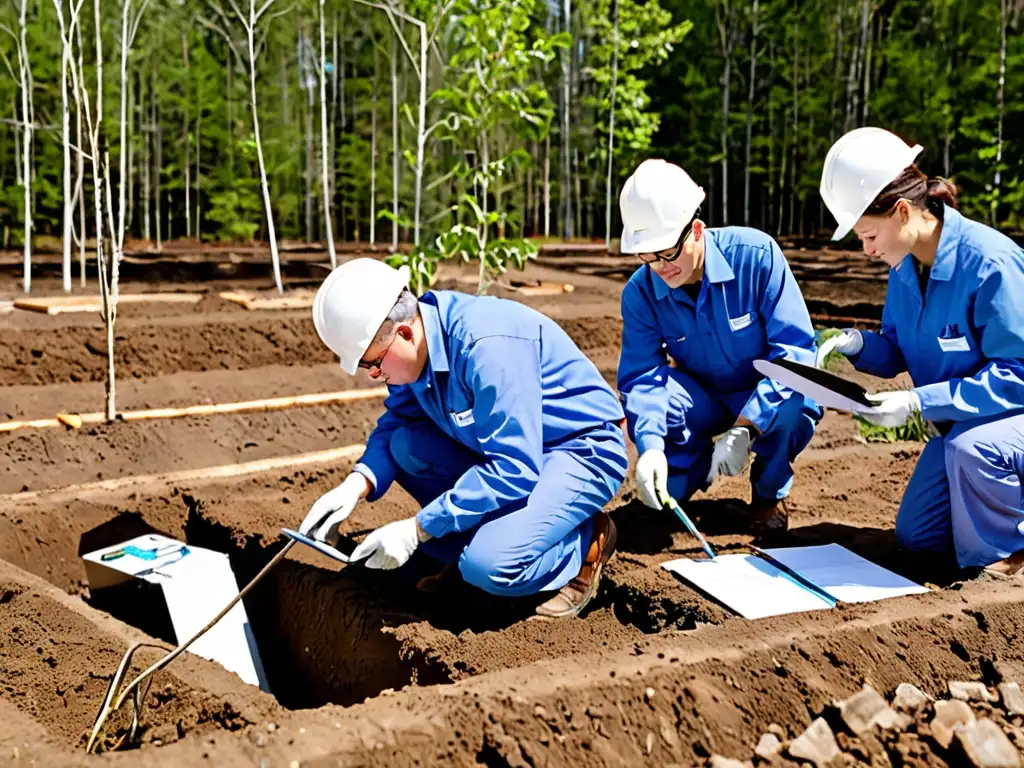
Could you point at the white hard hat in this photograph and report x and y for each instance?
(656, 203)
(353, 303)
(859, 166)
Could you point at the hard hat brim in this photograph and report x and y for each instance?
(634, 241)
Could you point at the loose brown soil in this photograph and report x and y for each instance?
(365, 669)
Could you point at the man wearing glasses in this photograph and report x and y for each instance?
(495, 422)
(703, 306)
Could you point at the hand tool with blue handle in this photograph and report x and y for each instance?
(673, 505)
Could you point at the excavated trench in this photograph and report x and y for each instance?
(322, 636)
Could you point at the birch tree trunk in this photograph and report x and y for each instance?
(611, 127)
(25, 75)
(324, 181)
(66, 35)
(250, 29)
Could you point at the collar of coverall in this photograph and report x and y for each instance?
(945, 254)
(436, 352)
(716, 268)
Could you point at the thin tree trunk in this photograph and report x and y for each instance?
(373, 150)
(188, 148)
(158, 170)
(274, 257)
(26, 145)
(310, 162)
(395, 151)
(547, 185)
(130, 217)
(750, 115)
(80, 164)
(611, 127)
(796, 129)
(69, 210)
(724, 138)
(566, 139)
(147, 169)
(1000, 107)
(199, 178)
(325, 186)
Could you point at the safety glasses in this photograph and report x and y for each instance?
(670, 254)
(369, 365)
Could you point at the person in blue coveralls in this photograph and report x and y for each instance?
(953, 319)
(495, 422)
(701, 308)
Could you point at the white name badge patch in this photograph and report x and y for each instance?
(739, 323)
(463, 419)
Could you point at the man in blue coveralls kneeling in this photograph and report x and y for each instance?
(495, 422)
(703, 306)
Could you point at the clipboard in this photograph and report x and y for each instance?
(824, 388)
(324, 549)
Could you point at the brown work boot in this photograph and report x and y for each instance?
(1011, 567)
(444, 580)
(574, 596)
(769, 517)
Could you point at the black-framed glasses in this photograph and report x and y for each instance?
(369, 365)
(675, 251)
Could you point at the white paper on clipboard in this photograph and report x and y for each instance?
(817, 391)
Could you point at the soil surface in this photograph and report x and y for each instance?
(363, 667)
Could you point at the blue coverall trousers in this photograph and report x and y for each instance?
(531, 546)
(965, 494)
(696, 416)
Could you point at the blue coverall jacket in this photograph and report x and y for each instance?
(510, 441)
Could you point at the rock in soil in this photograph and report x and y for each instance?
(969, 691)
(865, 710)
(949, 715)
(1013, 699)
(768, 747)
(984, 745)
(909, 698)
(816, 745)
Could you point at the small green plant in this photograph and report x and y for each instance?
(916, 430)
(822, 337)
(469, 242)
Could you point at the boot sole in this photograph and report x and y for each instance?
(606, 555)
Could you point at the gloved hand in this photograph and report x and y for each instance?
(894, 409)
(389, 547)
(846, 343)
(731, 452)
(652, 477)
(331, 509)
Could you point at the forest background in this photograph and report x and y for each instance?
(464, 126)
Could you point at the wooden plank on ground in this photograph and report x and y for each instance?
(205, 409)
(250, 301)
(144, 483)
(55, 305)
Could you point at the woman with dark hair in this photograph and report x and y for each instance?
(954, 319)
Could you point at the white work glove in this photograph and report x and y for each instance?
(333, 508)
(652, 477)
(389, 547)
(894, 409)
(846, 343)
(731, 452)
